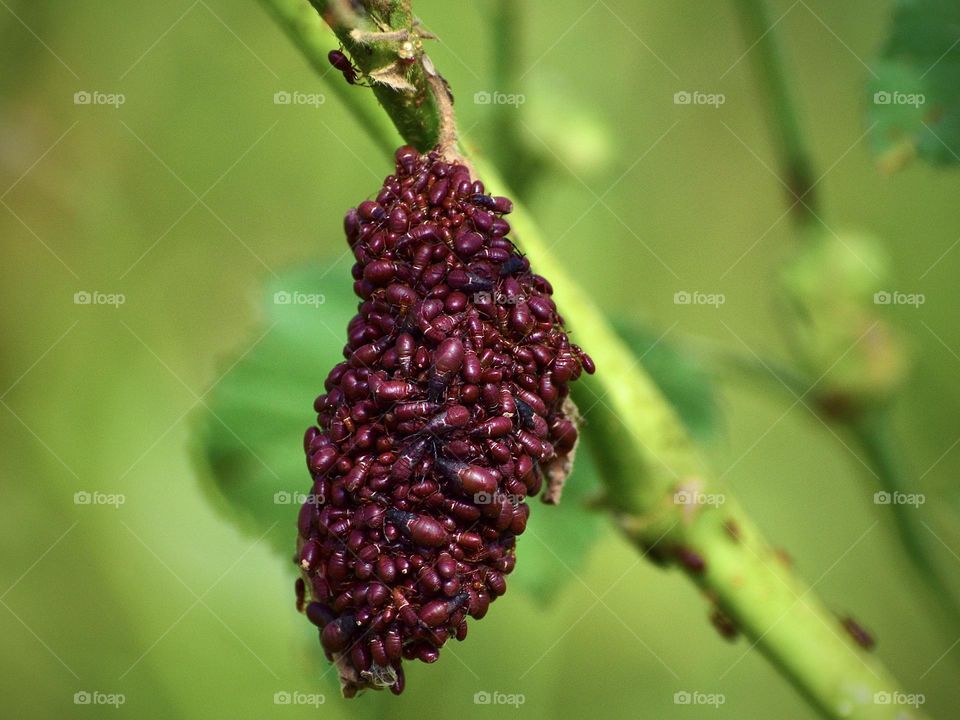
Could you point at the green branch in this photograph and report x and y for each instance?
(742, 573)
(396, 74)
(648, 458)
(872, 433)
(868, 423)
(767, 61)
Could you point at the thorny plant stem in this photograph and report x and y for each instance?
(870, 428)
(647, 457)
(401, 89)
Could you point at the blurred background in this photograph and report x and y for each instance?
(155, 196)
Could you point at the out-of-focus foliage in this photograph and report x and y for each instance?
(915, 94)
(681, 376)
(836, 287)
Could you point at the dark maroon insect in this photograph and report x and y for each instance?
(447, 412)
(342, 63)
(860, 636)
(421, 529)
(691, 560)
(724, 624)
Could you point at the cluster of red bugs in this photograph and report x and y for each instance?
(449, 410)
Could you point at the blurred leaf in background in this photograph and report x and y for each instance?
(915, 95)
(681, 375)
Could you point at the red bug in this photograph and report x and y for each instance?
(342, 63)
(860, 636)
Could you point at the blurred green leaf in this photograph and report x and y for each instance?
(559, 537)
(252, 440)
(834, 287)
(681, 376)
(915, 98)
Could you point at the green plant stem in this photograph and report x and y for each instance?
(869, 427)
(743, 574)
(767, 60)
(872, 435)
(872, 432)
(414, 113)
(647, 457)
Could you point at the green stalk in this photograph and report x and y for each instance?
(870, 426)
(647, 457)
(414, 113)
(767, 61)
(743, 574)
(872, 433)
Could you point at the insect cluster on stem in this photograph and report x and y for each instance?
(449, 410)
